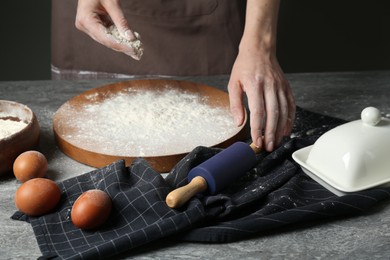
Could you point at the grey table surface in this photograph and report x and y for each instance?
(342, 95)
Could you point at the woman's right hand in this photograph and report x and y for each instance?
(95, 16)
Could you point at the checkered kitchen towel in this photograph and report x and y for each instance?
(275, 193)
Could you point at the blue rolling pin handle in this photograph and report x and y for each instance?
(225, 167)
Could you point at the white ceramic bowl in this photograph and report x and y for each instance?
(352, 157)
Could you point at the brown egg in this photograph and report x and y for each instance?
(91, 209)
(37, 196)
(29, 165)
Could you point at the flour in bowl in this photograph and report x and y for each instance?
(9, 127)
(148, 123)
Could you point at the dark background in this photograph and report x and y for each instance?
(314, 35)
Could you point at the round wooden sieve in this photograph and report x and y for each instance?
(63, 127)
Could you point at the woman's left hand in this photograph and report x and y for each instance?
(270, 100)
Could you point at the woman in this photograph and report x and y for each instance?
(186, 37)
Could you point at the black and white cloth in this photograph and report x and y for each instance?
(273, 194)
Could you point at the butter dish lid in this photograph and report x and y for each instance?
(351, 157)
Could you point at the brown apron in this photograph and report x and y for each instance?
(180, 38)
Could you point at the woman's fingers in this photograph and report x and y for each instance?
(104, 21)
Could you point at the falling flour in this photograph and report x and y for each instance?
(147, 123)
(9, 127)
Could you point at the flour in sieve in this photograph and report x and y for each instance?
(9, 127)
(149, 123)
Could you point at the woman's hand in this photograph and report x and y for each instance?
(270, 98)
(95, 16)
(257, 73)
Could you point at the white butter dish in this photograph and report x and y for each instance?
(351, 157)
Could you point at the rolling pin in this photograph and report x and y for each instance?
(215, 173)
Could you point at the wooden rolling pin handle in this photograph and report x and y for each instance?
(180, 196)
(255, 148)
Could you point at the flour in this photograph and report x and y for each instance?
(9, 127)
(136, 44)
(147, 123)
